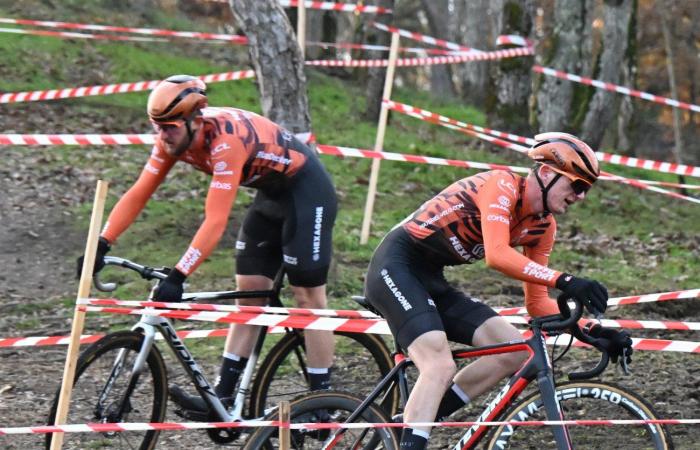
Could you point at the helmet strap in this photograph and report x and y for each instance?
(545, 189)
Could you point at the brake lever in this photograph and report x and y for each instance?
(623, 362)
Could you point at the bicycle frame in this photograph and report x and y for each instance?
(151, 325)
(537, 366)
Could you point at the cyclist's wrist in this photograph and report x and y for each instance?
(563, 281)
(175, 276)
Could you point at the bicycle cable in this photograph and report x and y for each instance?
(564, 352)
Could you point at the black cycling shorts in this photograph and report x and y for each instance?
(292, 226)
(414, 297)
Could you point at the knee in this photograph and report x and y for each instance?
(441, 370)
(314, 297)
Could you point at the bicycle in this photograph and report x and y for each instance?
(123, 377)
(572, 399)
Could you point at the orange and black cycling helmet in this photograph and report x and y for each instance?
(176, 98)
(568, 156)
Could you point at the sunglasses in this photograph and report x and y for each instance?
(166, 126)
(580, 186)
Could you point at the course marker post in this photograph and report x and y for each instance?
(301, 27)
(379, 142)
(285, 441)
(79, 313)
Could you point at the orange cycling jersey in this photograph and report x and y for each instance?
(483, 216)
(236, 147)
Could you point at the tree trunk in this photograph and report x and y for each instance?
(441, 84)
(512, 76)
(376, 75)
(277, 60)
(663, 12)
(568, 49)
(625, 115)
(474, 28)
(601, 109)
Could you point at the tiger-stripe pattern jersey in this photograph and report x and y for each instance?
(483, 216)
(235, 147)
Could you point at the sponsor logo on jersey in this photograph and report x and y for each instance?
(497, 218)
(286, 135)
(505, 201)
(219, 185)
(240, 245)
(478, 251)
(318, 224)
(149, 168)
(220, 148)
(538, 271)
(218, 167)
(189, 259)
(459, 248)
(431, 302)
(272, 157)
(507, 187)
(394, 290)
(501, 207)
(449, 210)
(290, 259)
(154, 155)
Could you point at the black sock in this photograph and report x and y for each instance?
(410, 441)
(229, 373)
(453, 400)
(319, 379)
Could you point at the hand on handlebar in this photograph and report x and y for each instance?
(102, 248)
(617, 343)
(590, 292)
(170, 289)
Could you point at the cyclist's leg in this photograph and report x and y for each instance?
(307, 237)
(461, 314)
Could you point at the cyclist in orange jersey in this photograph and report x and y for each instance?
(483, 216)
(289, 223)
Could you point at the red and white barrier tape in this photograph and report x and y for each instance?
(107, 89)
(134, 426)
(337, 6)
(72, 35)
(513, 39)
(428, 116)
(615, 88)
(620, 301)
(351, 46)
(148, 31)
(425, 39)
(342, 313)
(628, 323)
(371, 326)
(171, 426)
(415, 62)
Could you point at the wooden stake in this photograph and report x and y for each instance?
(379, 142)
(79, 316)
(285, 440)
(301, 26)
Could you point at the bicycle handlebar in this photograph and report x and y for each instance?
(148, 273)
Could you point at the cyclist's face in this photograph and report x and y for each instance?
(173, 135)
(562, 195)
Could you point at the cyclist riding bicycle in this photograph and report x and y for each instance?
(483, 216)
(289, 223)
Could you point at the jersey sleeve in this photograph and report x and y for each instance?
(537, 300)
(228, 157)
(134, 200)
(496, 202)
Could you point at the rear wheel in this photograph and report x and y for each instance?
(106, 390)
(361, 360)
(587, 400)
(328, 406)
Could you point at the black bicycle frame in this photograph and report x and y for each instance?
(537, 366)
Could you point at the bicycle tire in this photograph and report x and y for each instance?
(281, 376)
(147, 402)
(585, 400)
(338, 405)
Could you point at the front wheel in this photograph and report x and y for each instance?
(106, 390)
(587, 400)
(360, 361)
(327, 406)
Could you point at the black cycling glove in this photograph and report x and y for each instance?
(170, 289)
(615, 342)
(102, 248)
(591, 293)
